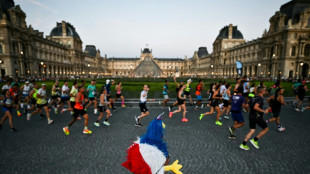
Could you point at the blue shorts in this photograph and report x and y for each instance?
(25, 95)
(199, 97)
(238, 117)
(4, 109)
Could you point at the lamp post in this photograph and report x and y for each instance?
(212, 66)
(170, 70)
(300, 69)
(258, 70)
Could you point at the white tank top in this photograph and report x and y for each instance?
(26, 89)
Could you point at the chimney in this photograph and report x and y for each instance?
(64, 31)
(230, 31)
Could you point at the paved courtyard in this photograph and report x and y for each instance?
(200, 146)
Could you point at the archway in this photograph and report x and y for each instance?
(305, 71)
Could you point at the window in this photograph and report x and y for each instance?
(293, 51)
(1, 49)
(307, 50)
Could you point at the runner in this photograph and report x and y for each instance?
(165, 93)
(26, 90)
(199, 88)
(64, 95)
(33, 100)
(178, 86)
(91, 89)
(103, 107)
(187, 92)
(256, 117)
(72, 94)
(302, 89)
(238, 83)
(142, 104)
(226, 100)
(108, 85)
(277, 101)
(79, 110)
(41, 103)
(119, 88)
(15, 94)
(238, 102)
(6, 87)
(216, 97)
(210, 92)
(295, 89)
(246, 87)
(55, 100)
(7, 109)
(181, 102)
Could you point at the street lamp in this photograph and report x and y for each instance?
(300, 69)
(88, 65)
(258, 69)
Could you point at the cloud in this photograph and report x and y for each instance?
(43, 6)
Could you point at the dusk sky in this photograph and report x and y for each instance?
(172, 28)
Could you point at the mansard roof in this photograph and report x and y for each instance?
(236, 34)
(70, 30)
(90, 50)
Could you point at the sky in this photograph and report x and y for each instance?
(171, 28)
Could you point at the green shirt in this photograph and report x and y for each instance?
(73, 91)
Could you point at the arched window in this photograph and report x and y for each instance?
(307, 50)
(309, 22)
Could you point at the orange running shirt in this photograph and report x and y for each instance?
(78, 105)
(198, 89)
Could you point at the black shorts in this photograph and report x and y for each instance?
(33, 101)
(41, 105)
(214, 104)
(275, 113)
(301, 97)
(295, 92)
(187, 93)
(118, 95)
(180, 101)
(108, 97)
(72, 103)
(64, 99)
(78, 112)
(54, 97)
(92, 98)
(259, 121)
(143, 107)
(226, 103)
(15, 101)
(102, 108)
(245, 94)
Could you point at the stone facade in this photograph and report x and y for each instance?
(283, 51)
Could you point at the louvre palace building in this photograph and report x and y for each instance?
(282, 51)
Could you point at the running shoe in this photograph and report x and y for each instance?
(244, 110)
(28, 116)
(202, 106)
(13, 130)
(138, 124)
(218, 123)
(220, 117)
(297, 109)
(19, 114)
(50, 122)
(200, 117)
(71, 112)
(303, 109)
(106, 123)
(226, 117)
(281, 129)
(159, 102)
(231, 130)
(137, 119)
(56, 111)
(86, 131)
(186, 110)
(254, 143)
(170, 114)
(62, 110)
(96, 124)
(232, 137)
(169, 108)
(244, 147)
(79, 118)
(85, 109)
(42, 116)
(196, 108)
(66, 131)
(123, 106)
(184, 119)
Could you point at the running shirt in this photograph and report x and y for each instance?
(14, 94)
(34, 95)
(78, 105)
(5, 88)
(108, 88)
(73, 91)
(276, 105)
(65, 91)
(301, 90)
(188, 88)
(245, 88)
(92, 91)
(236, 103)
(143, 99)
(253, 113)
(8, 102)
(178, 88)
(104, 100)
(42, 93)
(198, 89)
(119, 90)
(165, 89)
(296, 85)
(225, 95)
(57, 89)
(26, 89)
(222, 89)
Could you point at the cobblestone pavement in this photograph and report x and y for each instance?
(200, 146)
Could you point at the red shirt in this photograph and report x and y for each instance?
(198, 89)
(78, 105)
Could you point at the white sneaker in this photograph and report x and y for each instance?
(159, 102)
(28, 116)
(202, 106)
(226, 117)
(50, 122)
(22, 105)
(297, 109)
(136, 118)
(281, 129)
(303, 109)
(244, 110)
(96, 124)
(106, 123)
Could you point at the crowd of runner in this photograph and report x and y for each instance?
(31, 99)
